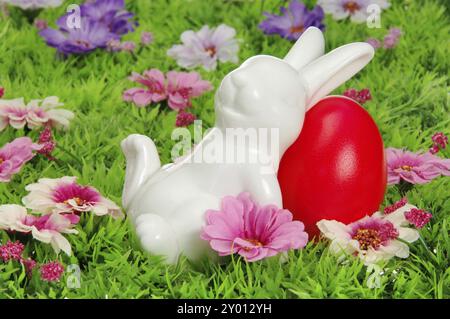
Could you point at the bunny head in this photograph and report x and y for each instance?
(268, 92)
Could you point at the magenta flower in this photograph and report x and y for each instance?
(418, 217)
(182, 86)
(390, 209)
(361, 96)
(440, 142)
(47, 228)
(206, 47)
(293, 20)
(14, 155)
(414, 168)
(47, 143)
(252, 231)
(29, 264)
(65, 195)
(11, 251)
(185, 119)
(2, 91)
(155, 90)
(52, 271)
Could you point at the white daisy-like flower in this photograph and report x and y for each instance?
(355, 9)
(65, 195)
(372, 238)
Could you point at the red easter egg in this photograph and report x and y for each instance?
(336, 168)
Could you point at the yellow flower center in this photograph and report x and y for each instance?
(406, 168)
(77, 200)
(367, 238)
(254, 242)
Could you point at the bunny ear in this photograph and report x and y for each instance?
(331, 70)
(308, 47)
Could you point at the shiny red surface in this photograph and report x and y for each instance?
(336, 168)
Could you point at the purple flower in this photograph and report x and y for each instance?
(293, 20)
(90, 36)
(355, 9)
(102, 21)
(206, 47)
(391, 39)
(414, 168)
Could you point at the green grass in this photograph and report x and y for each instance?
(409, 86)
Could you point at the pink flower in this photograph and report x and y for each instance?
(128, 46)
(146, 38)
(375, 43)
(11, 251)
(113, 45)
(359, 96)
(36, 113)
(40, 24)
(440, 142)
(14, 113)
(52, 271)
(14, 155)
(418, 217)
(206, 47)
(182, 86)
(414, 168)
(252, 231)
(47, 143)
(45, 112)
(184, 118)
(46, 228)
(391, 39)
(2, 91)
(29, 264)
(372, 239)
(65, 195)
(155, 91)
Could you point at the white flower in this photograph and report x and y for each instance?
(206, 47)
(375, 238)
(41, 112)
(65, 195)
(47, 228)
(33, 4)
(355, 9)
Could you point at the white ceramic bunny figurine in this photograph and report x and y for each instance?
(167, 204)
